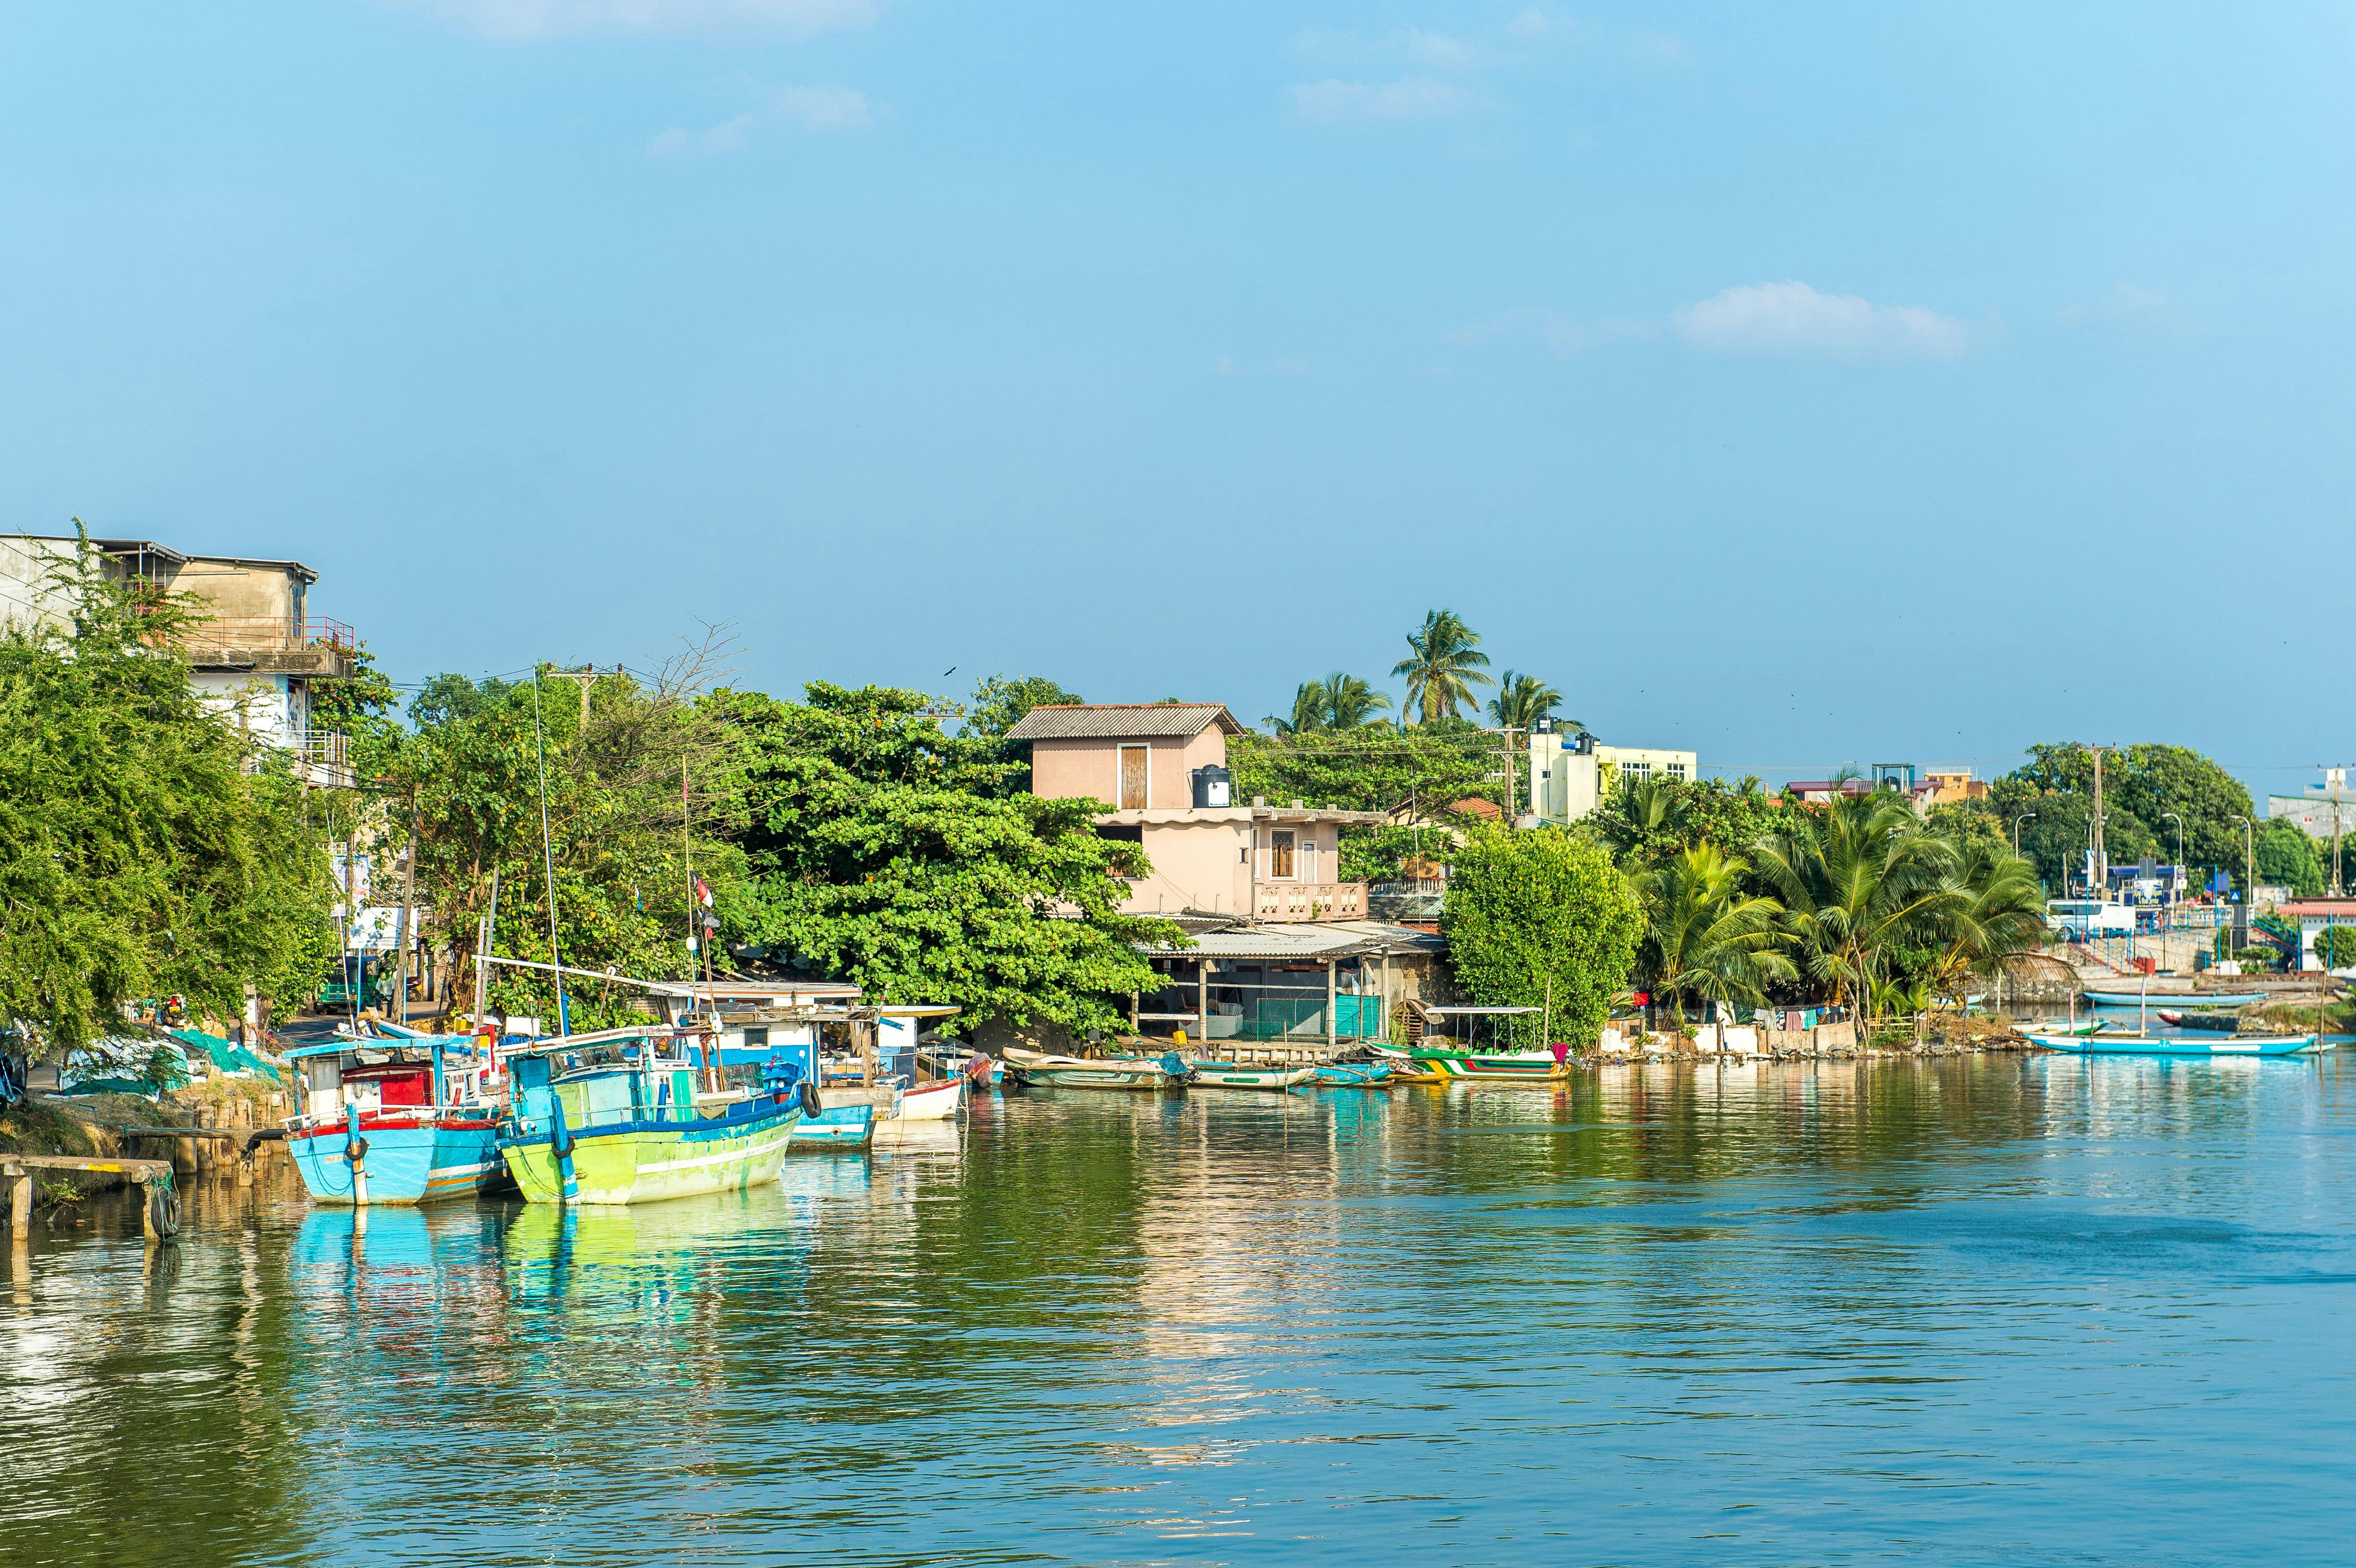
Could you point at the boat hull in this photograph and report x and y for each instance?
(2171, 998)
(931, 1102)
(645, 1162)
(837, 1127)
(1487, 1066)
(1225, 1075)
(1356, 1075)
(2155, 1045)
(408, 1160)
(1128, 1073)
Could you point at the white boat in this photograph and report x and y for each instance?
(1229, 1075)
(931, 1102)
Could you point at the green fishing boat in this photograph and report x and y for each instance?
(612, 1118)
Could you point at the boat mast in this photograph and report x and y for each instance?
(548, 855)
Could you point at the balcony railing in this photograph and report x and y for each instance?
(1311, 901)
(278, 633)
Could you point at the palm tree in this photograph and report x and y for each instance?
(1445, 661)
(1858, 881)
(1706, 938)
(1995, 911)
(1310, 705)
(1351, 703)
(1642, 816)
(1522, 700)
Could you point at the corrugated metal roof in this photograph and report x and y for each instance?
(1326, 939)
(1108, 722)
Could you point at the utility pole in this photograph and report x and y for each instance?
(585, 678)
(408, 908)
(2102, 866)
(2335, 777)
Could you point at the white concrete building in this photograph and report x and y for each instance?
(1571, 774)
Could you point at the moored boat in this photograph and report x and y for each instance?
(837, 1127)
(2222, 1023)
(610, 1118)
(407, 1120)
(934, 1102)
(1484, 1066)
(2202, 999)
(1040, 1069)
(2167, 1045)
(1356, 1075)
(1229, 1075)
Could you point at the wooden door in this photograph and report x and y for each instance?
(1132, 778)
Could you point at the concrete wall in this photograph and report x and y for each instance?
(1090, 769)
(1199, 863)
(275, 708)
(243, 593)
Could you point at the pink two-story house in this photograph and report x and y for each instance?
(1163, 769)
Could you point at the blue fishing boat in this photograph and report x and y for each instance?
(2197, 999)
(837, 1127)
(612, 1118)
(1354, 1075)
(2167, 1045)
(403, 1120)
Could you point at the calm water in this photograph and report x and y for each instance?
(2052, 1311)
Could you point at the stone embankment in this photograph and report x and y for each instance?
(103, 1126)
(1941, 1036)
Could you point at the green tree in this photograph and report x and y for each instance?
(647, 779)
(1705, 938)
(2287, 858)
(1862, 881)
(1540, 917)
(1522, 700)
(1993, 911)
(1444, 661)
(145, 847)
(910, 862)
(2336, 946)
(1338, 702)
(2139, 783)
(1000, 702)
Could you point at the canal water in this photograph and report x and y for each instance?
(1994, 1310)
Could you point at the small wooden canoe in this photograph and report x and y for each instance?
(2160, 1045)
(1040, 1070)
(1228, 1075)
(2202, 999)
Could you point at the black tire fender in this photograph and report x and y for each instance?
(811, 1103)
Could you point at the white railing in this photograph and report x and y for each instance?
(1309, 900)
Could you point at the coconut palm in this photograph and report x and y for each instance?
(1444, 663)
(1995, 911)
(1860, 879)
(1338, 702)
(1522, 700)
(1312, 703)
(1705, 937)
(1351, 703)
(1644, 815)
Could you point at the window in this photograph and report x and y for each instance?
(1279, 852)
(1132, 778)
(1677, 772)
(756, 1039)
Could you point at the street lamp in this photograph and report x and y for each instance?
(2016, 829)
(2179, 853)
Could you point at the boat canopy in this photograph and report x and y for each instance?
(388, 1049)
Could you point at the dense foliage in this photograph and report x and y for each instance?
(139, 856)
(2287, 858)
(2139, 784)
(1542, 919)
(644, 780)
(915, 864)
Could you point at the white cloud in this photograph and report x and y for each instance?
(1534, 23)
(1411, 97)
(2125, 305)
(1793, 318)
(728, 137)
(670, 145)
(1442, 52)
(821, 108)
(521, 20)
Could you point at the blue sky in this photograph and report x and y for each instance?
(1801, 384)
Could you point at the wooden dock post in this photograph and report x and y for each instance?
(20, 1195)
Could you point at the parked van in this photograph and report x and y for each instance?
(2079, 918)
